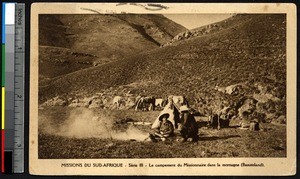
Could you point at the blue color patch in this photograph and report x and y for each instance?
(3, 23)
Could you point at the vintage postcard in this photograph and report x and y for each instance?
(163, 89)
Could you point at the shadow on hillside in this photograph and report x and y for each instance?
(217, 137)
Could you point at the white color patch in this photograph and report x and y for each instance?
(10, 13)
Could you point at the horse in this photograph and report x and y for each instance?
(146, 104)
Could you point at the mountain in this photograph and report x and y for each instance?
(251, 52)
(98, 38)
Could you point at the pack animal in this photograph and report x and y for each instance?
(118, 101)
(159, 102)
(145, 104)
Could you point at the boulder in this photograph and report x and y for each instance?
(76, 103)
(221, 89)
(96, 103)
(105, 101)
(88, 101)
(270, 117)
(85, 102)
(248, 107)
(279, 120)
(233, 89)
(56, 101)
(265, 97)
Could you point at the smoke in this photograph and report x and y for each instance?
(130, 133)
(84, 123)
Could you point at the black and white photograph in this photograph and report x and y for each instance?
(162, 85)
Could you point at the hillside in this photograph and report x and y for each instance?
(101, 38)
(57, 61)
(251, 53)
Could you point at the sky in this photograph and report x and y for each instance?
(191, 21)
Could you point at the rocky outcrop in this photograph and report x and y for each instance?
(193, 33)
(56, 101)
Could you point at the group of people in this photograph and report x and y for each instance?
(185, 127)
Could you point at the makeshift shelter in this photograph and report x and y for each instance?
(172, 108)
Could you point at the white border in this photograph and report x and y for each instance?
(273, 166)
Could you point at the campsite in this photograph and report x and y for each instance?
(100, 96)
(228, 142)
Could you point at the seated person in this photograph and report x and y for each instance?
(188, 126)
(256, 122)
(163, 130)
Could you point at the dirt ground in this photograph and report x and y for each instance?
(78, 133)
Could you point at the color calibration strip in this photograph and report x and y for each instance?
(12, 118)
(8, 85)
(2, 89)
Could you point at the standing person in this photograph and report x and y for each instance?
(223, 117)
(163, 130)
(188, 126)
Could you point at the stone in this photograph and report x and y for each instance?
(56, 101)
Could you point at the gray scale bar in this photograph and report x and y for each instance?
(9, 86)
(18, 113)
(18, 158)
(19, 64)
(9, 39)
(9, 144)
(9, 124)
(9, 102)
(9, 61)
(19, 95)
(19, 40)
(20, 28)
(18, 143)
(19, 83)
(9, 81)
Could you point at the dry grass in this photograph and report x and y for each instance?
(228, 142)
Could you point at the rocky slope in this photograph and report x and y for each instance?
(249, 56)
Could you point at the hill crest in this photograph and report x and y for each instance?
(102, 38)
(251, 53)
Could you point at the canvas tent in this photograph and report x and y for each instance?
(172, 108)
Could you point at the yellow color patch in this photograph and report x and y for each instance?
(3, 108)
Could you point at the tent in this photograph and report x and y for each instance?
(172, 108)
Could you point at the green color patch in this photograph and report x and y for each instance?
(3, 66)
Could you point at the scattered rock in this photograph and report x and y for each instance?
(56, 101)
(248, 107)
(97, 103)
(264, 97)
(280, 120)
(109, 145)
(233, 89)
(76, 103)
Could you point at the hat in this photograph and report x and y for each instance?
(165, 114)
(184, 108)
